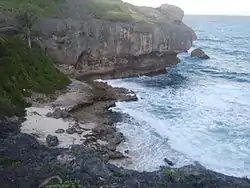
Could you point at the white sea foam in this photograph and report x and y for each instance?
(181, 126)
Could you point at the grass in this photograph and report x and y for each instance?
(41, 7)
(171, 176)
(6, 161)
(112, 10)
(118, 174)
(23, 70)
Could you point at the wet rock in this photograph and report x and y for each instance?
(71, 130)
(119, 138)
(170, 163)
(60, 131)
(52, 141)
(111, 146)
(199, 53)
(116, 155)
(103, 130)
(58, 113)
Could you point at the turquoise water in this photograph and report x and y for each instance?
(200, 111)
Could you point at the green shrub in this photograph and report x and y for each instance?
(23, 70)
(41, 7)
(6, 161)
(119, 174)
(111, 10)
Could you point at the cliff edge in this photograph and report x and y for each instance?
(114, 39)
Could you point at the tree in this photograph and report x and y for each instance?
(26, 20)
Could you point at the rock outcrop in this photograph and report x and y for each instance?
(172, 11)
(199, 53)
(118, 47)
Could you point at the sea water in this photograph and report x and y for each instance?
(200, 110)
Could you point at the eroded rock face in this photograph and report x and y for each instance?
(119, 49)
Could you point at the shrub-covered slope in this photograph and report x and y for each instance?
(23, 70)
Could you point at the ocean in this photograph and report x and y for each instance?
(200, 110)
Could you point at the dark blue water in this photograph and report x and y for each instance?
(200, 111)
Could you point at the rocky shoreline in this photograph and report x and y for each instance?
(31, 163)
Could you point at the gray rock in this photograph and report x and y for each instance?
(111, 146)
(116, 155)
(102, 130)
(199, 53)
(87, 126)
(79, 131)
(126, 151)
(71, 130)
(60, 131)
(58, 113)
(172, 11)
(101, 44)
(52, 141)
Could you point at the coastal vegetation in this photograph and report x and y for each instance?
(111, 10)
(24, 70)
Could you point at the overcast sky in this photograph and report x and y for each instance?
(228, 7)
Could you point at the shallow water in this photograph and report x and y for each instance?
(200, 111)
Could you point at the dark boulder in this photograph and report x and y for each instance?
(71, 131)
(58, 113)
(52, 141)
(170, 163)
(60, 131)
(199, 53)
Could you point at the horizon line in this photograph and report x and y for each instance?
(240, 15)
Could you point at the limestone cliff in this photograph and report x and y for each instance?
(114, 38)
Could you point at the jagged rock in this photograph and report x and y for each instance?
(115, 155)
(52, 140)
(111, 146)
(71, 130)
(60, 131)
(199, 53)
(102, 143)
(79, 131)
(170, 163)
(103, 130)
(88, 126)
(174, 12)
(87, 133)
(58, 113)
